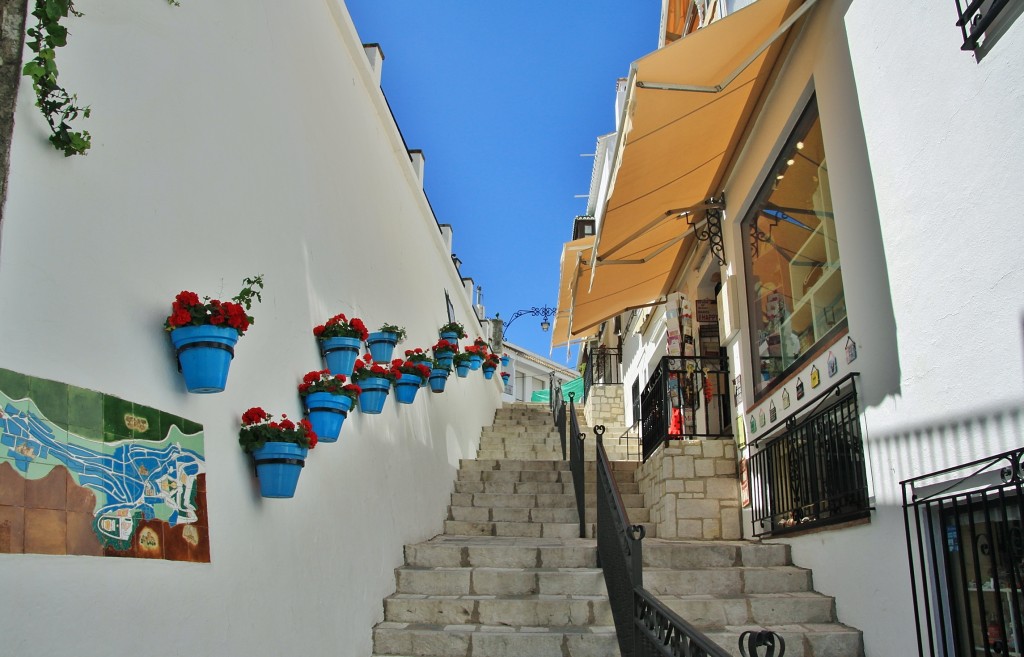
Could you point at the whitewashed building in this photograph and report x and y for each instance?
(814, 207)
(228, 139)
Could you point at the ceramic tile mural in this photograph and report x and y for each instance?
(86, 473)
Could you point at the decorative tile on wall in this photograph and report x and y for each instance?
(86, 473)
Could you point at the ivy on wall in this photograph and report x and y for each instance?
(57, 105)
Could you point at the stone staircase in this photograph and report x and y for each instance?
(510, 577)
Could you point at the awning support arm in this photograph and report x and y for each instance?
(710, 230)
(674, 212)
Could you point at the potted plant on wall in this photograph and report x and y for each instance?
(439, 377)
(278, 450)
(383, 341)
(413, 375)
(491, 365)
(341, 341)
(375, 381)
(462, 363)
(328, 399)
(504, 377)
(444, 352)
(452, 332)
(420, 356)
(204, 334)
(478, 352)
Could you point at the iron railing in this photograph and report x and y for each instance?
(685, 397)
(975, 17)
(558, 414)
(603, 369)
(576, 438)
(965, 542)
(811, 471)
(644, 626)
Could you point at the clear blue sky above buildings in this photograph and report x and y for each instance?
(503, 99)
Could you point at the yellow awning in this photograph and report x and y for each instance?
(579, 302)
(686, 111)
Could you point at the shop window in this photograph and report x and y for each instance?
(794, 281)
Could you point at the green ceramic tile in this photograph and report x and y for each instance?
(86, 432)
(146, 424)
(115, 410)
(85, 410)
(13, 384)
(191, 427)
(51, 397)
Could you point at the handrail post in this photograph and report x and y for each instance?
(576, 438)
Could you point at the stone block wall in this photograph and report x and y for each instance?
(693, 491)
(605, 406)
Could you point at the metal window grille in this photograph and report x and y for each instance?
(812, 471)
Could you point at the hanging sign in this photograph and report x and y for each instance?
(741, 434)
(707, 311)
(833, 365)
(785, 398)
(851, 350)
(772, 413)
(744, 484)
(799, 389)
(815, 376)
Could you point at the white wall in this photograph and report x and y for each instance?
(924, 149)
(230, 138)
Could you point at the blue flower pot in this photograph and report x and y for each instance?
(375, 393)
(340, 354)
(327, 414)
(489, 373)
(438, 379)
(382, 346)
(475, 362)
(462, 369)
(450, 337)
(444, 359)
(278, 465)
(504, 361)
(504, 379)
(204, 356)
(407, 387)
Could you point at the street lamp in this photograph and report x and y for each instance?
(544, 312)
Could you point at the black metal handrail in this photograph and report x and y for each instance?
(965, 542)
(644, 626)
(686, 397)
(603, 368)
(576, 438)
(558, 412)
(811, 471)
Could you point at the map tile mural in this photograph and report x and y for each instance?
(86, 473)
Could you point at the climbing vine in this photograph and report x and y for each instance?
(57, 105)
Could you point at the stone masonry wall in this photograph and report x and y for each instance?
(12, 40)
(692, 490)
(605, 406)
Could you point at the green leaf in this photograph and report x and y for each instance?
(33, 69)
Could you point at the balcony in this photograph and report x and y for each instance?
(686, 398)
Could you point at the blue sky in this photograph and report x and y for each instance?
(503, 99)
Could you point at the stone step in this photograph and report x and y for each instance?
(711, 612)
(550, 475)
(473, 552)
(516, 464)
(486, 514)
(539, 500)
(531, 487)
(528, 610)
(687, 555)
(649, 527)
(428, 640)
(500, 581)
(523, 529)
(727, 581)
(802, 640)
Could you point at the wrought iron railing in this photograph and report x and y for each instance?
(576, 438)
(603, 369)
(811, 471)
(558, 414)
(965, 541)
(685, 397)
(644, 626)
(975, 17)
